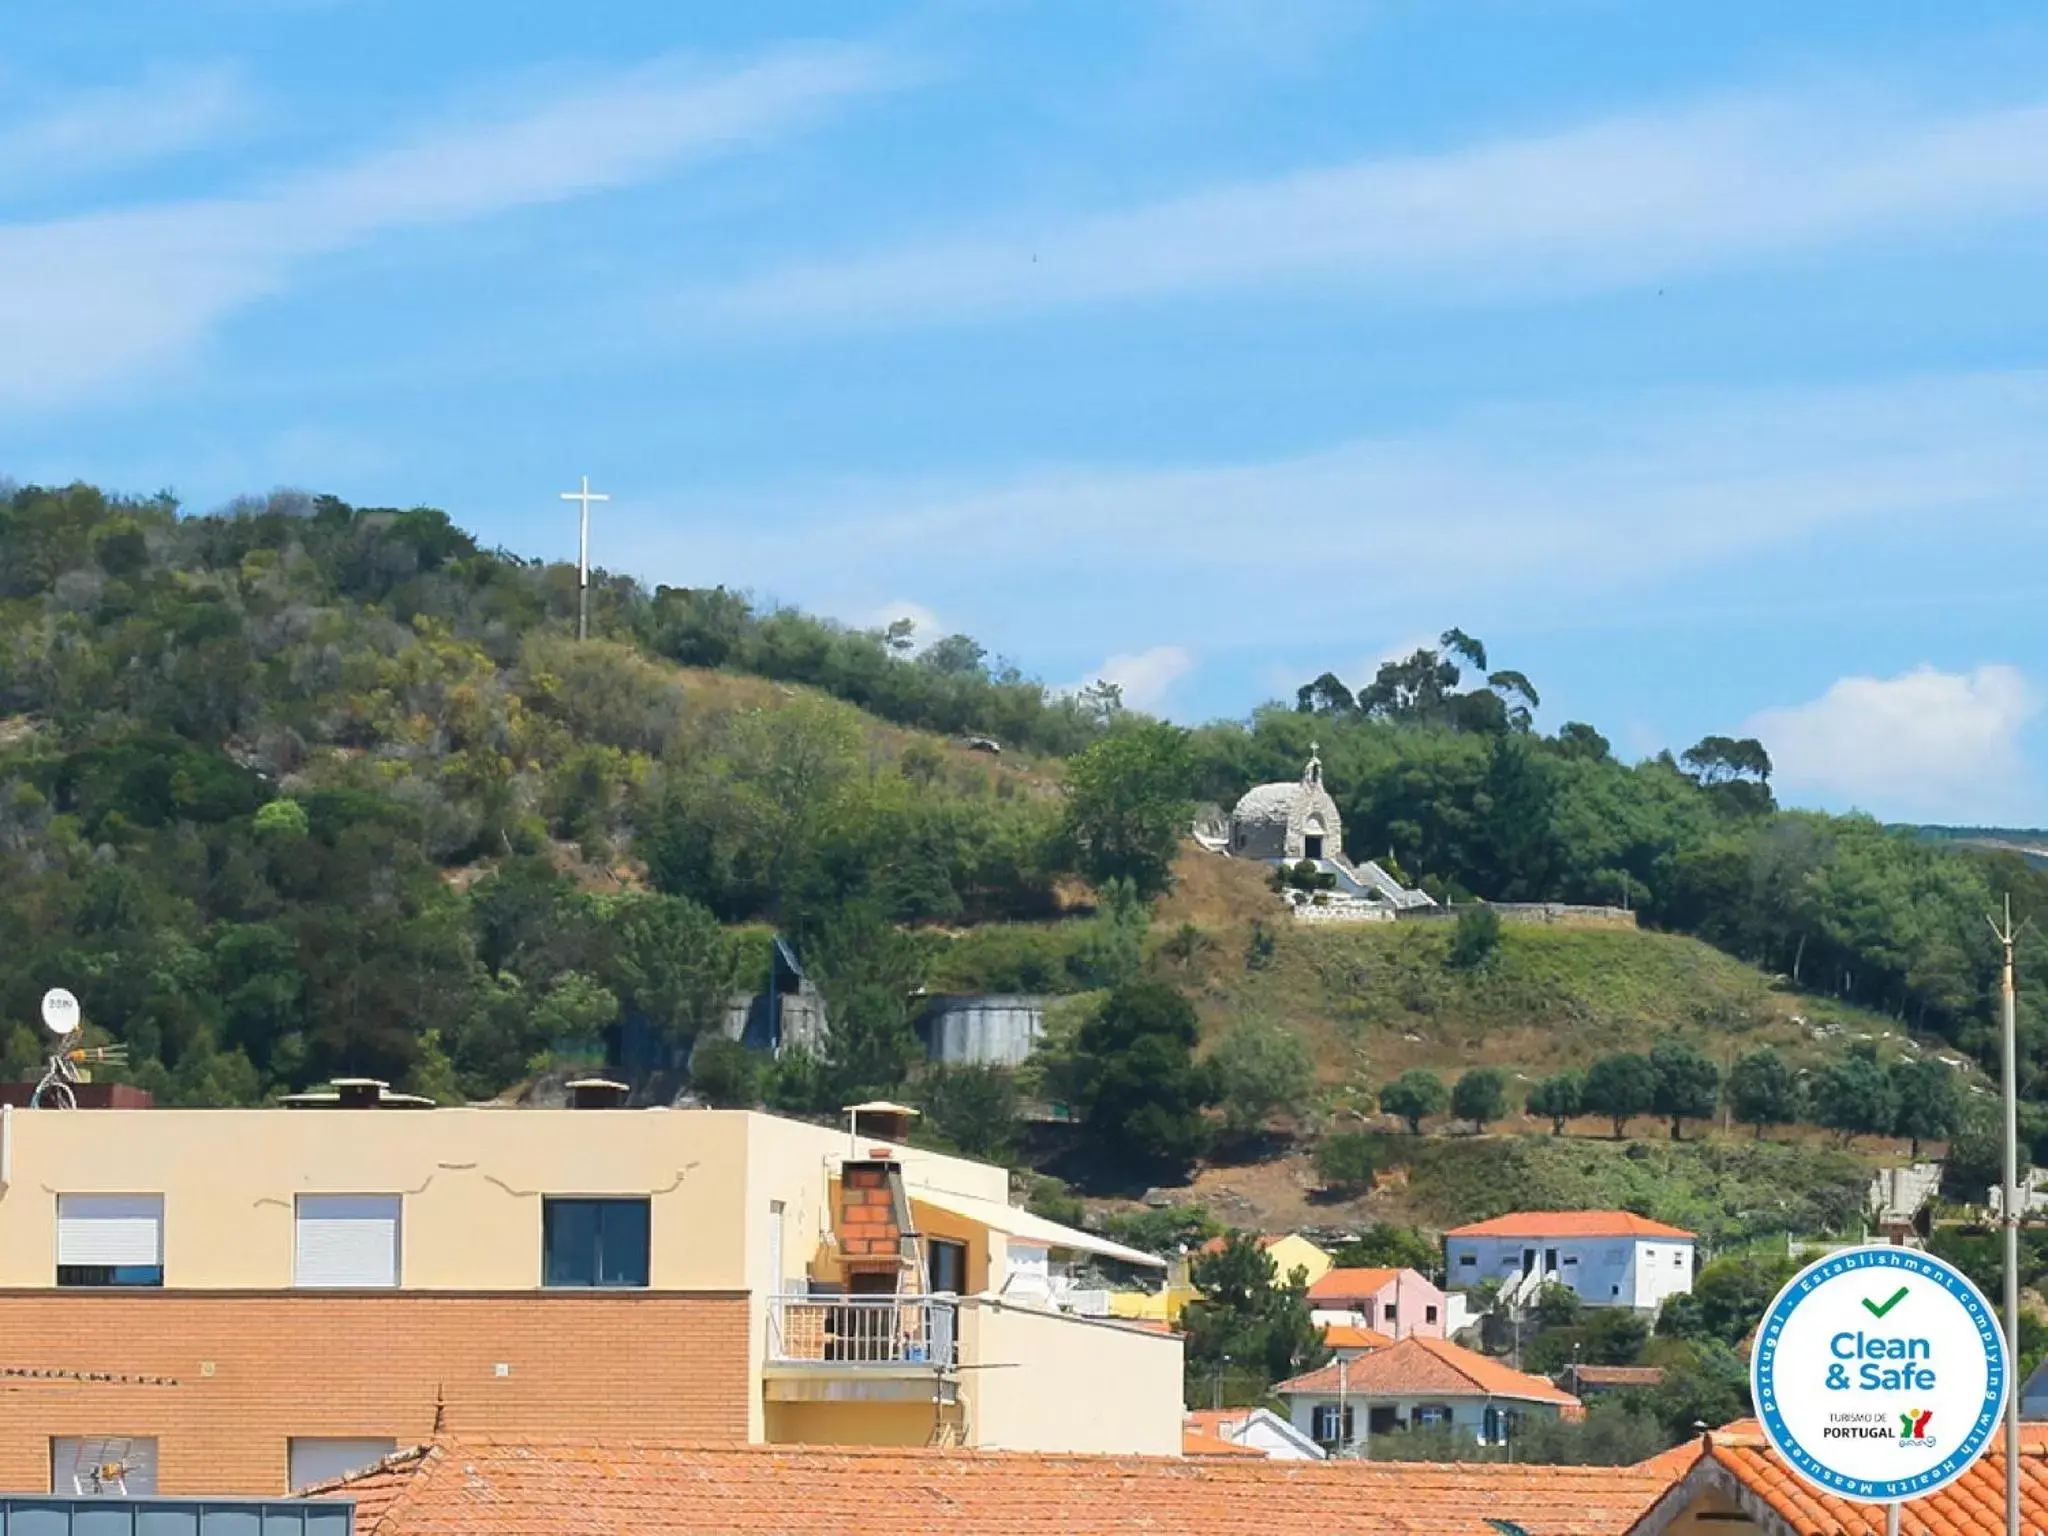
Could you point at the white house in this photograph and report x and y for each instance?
(1419, 1383)
(1257, 1429)
(1606, 1258)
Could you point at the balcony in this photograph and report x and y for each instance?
(861, 1348)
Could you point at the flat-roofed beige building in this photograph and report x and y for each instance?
(237, 1300)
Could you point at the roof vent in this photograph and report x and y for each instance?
(597, 1093)
(355, 1093)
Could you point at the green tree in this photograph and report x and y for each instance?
(1763, 1090)
(1557, 1306)
(678, 968)
(1855, 1096)
(1557, 1099)
(1620, 1087)
(1262, 1070)
(1476, 938)
(1250, 1327)
(574, 1014)
(973, 1109)
(1384, 1245)
(1344, 1161)
(1128, 804)
(1975, 1162)
(1727, 1299)
(869, 972)
(1480, 1095)
(1166, 1231)
(1136, 1083)
(1415, 1095)
(1688, 1085)
(1930, 1105)
(725, 1074)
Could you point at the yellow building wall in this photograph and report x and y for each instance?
(851, 1423)
(1161, 1306)
(1049, 1381)
(1294, 1252)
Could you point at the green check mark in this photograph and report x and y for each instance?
(1893, 1300)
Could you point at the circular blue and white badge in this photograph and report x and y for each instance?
(1880, 1373)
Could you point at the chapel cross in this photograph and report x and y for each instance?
(586, 496)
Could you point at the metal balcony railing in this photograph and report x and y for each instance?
(862, 1330)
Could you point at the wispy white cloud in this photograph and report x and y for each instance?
(88, 133)
(924, 624)
(1923, 746)
(1531, 508)
(1613, 203)
(1146, 678)
(87, 300)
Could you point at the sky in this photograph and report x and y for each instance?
(1691, 355)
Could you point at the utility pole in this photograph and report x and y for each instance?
(2009, 1218)
(586, 495)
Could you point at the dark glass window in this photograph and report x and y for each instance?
(593, 1242)
(110, 1274)
(948, 1267)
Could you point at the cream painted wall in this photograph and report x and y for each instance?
(1047, 1381)
(472, 1181)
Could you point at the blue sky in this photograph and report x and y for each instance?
(1690, 354)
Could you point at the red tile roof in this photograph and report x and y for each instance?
(1350, 1336)
(1618, 1375)
(462, 1487)
(1202, 1442)
(1345, 1284)
(1569, 1224)
(1738, 1460)
(1420, 1367)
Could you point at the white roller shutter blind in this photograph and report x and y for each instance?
(347, 1240)
(315, 1460)
(110, 1229)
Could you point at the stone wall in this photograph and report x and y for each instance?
(1552, 914)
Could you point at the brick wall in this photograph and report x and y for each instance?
(252, 1369)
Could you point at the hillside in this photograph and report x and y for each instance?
(302, 789)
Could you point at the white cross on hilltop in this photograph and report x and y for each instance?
(586, 495)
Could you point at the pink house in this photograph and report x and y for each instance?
(1397, 1302)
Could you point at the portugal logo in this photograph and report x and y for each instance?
(1913, 1426)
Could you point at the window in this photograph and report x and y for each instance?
(1392, 1312)
(593, 1242)
(1468, 1260)
(1429, 1314)
(89, 1466)
(1329, 1425)
(947, 1267)
(317, 1459)
(110, 1239)
(1431, 1415)
(346, 1240)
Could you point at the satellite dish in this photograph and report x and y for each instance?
(60, 1012)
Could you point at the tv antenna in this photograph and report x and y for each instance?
(64, 1067)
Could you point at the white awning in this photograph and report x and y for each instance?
(1027, 1228)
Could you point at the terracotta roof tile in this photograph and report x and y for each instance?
(1429, 1368)
(1618, 1375)
(1342, 1284)
(1974, 1503)
(1349, 1336)
(1200, 1442)
(1569, 1224)
(491, 1488)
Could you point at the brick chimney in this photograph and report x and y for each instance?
(874, 1216)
